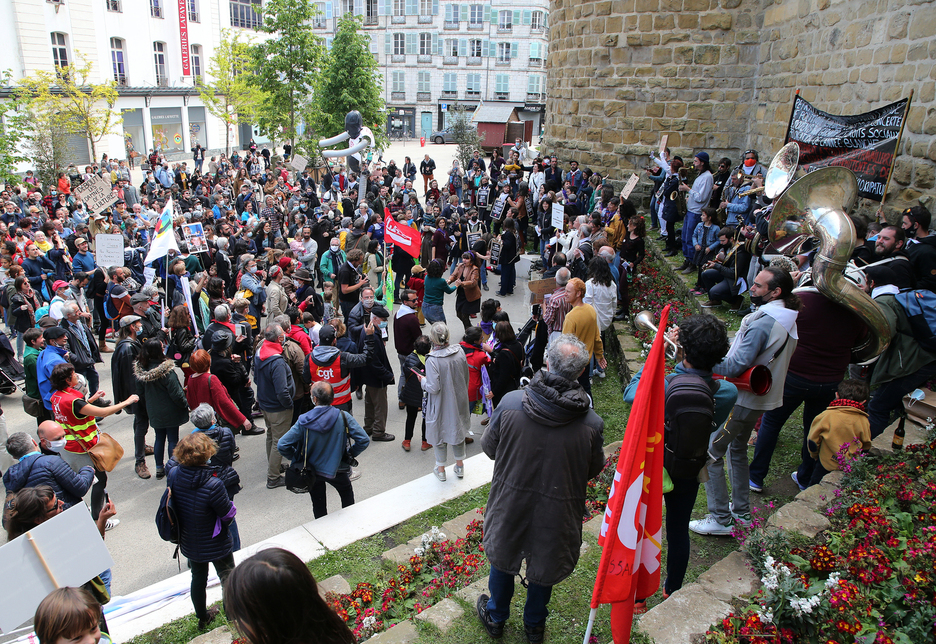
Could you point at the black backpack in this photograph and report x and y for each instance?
(167, 520)
(688, 423)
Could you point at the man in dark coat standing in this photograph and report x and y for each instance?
(546, 443)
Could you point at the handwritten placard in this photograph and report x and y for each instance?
(96, 193)
(558, 216)
(663, 142)
(629, 186)
(109, 250)
(298, 162)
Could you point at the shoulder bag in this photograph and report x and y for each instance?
(300, 477)
(105, 454)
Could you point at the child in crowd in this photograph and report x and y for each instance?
(488, 308)
(844, 422)
(412, 390)
(477, 358)
(328, 297)
(704, 241)
(312, 327)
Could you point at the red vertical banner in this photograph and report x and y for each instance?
(183, 37)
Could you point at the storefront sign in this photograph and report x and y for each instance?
(183, 37)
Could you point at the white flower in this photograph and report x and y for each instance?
(765, 616)
(440, 537)
(833, 580)
(419, 552)
(368, 621)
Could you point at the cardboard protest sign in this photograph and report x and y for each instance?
(540, 288)
(629, 186)
(96, 193)
(298, 162)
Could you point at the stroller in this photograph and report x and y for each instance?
(10, 369)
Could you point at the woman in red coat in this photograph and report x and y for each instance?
(202, 387)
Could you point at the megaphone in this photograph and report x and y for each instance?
(757, 380)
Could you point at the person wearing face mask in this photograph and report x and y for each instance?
(360, 315)
(921, 245)
(40, 464)
(750, 165)
(377, 375)
(768, 336)
(332, 260)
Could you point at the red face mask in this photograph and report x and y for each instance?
(749, 163)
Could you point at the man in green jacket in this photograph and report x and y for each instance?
(35, 343)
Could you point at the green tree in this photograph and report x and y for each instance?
(351, 80)
(85, 108)
(465, 134)
(230, 95)
(13, 127)
(286, 65)
(46, 138)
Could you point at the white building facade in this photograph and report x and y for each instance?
(434, 55)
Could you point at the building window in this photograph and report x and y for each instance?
(505, 20)
(503, 52)
(399, 7)
(196, 61)
(399, 45)
(534, 82)
(425, 7)
(425, 44)
(538, 22)
(193, 11)
(118, 61)
(246, 13)
(502, 84)
(159, 58)
(473, 85)
(451, 47)
(370, 12)
(156, 8)
(474, 48)
(318, 20)
(114, 5)
(424, 84)
(59, 51)
(476, 15)
(450, 84)
(398, 82)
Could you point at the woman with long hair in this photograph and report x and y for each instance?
(272, 598)
(632, 251)
(181, 339)
(507, 365)
(446, 409)
(159, 386)
(601, 293)
(263, 236)
(468, 294)
(23, 306)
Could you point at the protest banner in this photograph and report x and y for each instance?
(298, 162)
(866, 143)
(539, 289)
(109, 250)
(96, 193)
(66, 550)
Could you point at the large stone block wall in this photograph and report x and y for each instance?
(720, 75)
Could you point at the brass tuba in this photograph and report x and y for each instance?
(816, 206)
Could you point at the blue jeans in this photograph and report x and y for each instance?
(433, 312)
(715, 284)
(889, 397)
(689, 225)
(483, 271)
(508, 278)
(164, 434)
(501, 585)
(796, 391)
(679, 505)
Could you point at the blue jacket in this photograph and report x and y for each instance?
(223, 458)
(83, 262)
(706, 238)
(41, 469)
(204, 508)
(34, 268)
(275, 386)
(45, 363)
(326, 439)
(725, 396)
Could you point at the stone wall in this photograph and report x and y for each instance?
(720, 75)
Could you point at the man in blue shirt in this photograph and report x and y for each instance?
(83, 261)
(56, 352)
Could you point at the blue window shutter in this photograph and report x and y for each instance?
(412, 45)
(388, 43)
(464, 12)
(534, 50)
(328, 43)
(435, 7)
(382, 7)
(527, 17)
(328, 11)
(435, 44)
(514, 49)
(484, 48)
(448, 13)
(412, 7)
(487, 13)
(491, 48)
(516, 17)
(462, 47)
(359, 7)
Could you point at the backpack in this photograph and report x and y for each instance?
(167, 519)
(688, 423)
(920, 307)
(110, 311)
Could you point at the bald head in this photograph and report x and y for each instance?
(50, 430)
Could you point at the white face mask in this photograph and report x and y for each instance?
(368, 302)
(335, 248)
(57, 446)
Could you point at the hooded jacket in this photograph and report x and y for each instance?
(324, 355)
(446, 410)
(275, 386)
(159, 386)
(45, 363)
(40, 469)
(321, 433)
(546, 443)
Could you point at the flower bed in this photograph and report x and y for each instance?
(651, 291)
(439, 568)
(871, 579)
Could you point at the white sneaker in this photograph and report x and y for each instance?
(111, 524)
(710, 527)
(600, 373)
(460, 471)
(796, 480)
(354, 475)
(743, 520)
(439, 472)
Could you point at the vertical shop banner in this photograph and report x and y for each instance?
(865, 143)
(183, 38)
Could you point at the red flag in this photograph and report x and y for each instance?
(399, 235)
(633, 523)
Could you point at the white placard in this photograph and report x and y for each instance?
(150, 275)
(71, 547)
(96, 193)
(663, 142)
(298, 162)
(109, 250)
(558, 216)
(629, 186)
(187, 290)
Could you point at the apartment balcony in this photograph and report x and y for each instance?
(424, 20)
(398, 97)
(450, 60)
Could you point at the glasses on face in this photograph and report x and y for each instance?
(55, 505)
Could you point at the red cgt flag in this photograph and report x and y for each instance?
(632, 528)
(399, 235)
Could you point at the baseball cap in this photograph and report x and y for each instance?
(80, 240)
(327, 334)
(59, 284)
